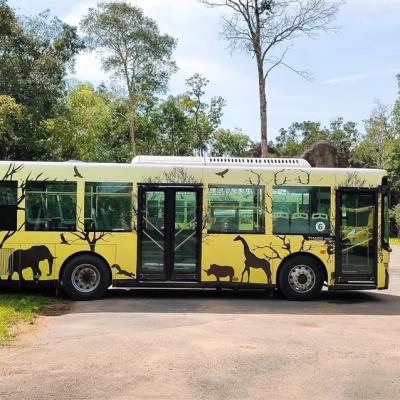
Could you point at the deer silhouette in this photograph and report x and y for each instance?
(252, 261)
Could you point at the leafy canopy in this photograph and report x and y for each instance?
(131, 47)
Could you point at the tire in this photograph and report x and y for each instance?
(301, 278)
(86, 277)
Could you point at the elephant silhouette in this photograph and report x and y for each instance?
(30, 258)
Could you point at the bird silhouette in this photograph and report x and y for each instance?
(63, 240)
(77, 173)
(222, 173)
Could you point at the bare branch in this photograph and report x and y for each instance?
(11, 171)
(280, 181)
(305, 180)
(262, 27)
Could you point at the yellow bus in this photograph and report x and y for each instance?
(214, 222)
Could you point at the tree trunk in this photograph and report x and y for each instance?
(263, 109)
(132, 129)
(132, 122)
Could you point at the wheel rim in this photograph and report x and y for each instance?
(85, 278)
(302, 278)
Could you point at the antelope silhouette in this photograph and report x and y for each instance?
(252, 261)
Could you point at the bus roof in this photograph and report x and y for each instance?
(214, 161)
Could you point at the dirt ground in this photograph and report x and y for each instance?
(146, 344)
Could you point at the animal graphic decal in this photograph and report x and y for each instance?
(220, 271)
(222, 173)
(77, 174)
(30, 258)
(90, 237)
(120, 271)
(63, 240)
(252, 261)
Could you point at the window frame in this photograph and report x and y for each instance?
(128, 184)
(385, 224)
(236, 232)
(327, 234)
(12, 185)
(45, 184)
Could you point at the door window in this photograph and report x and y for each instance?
(358, 234)
(169, 234)
(153, 234)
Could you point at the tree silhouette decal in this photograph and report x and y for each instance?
(81, 234)
(12, 170)
(176, 175)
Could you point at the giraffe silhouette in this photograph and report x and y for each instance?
(252, 261)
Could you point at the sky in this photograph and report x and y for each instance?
(352, 69)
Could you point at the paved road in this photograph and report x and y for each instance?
(207, 345)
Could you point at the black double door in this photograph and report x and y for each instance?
(356, 233)
(169, 233)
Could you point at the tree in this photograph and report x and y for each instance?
(377, 145)
(35, 55)
(133, 49)
(10, 115)
(231, 144)
(206, 118)
(292, 142)
(90, 126)
(396, 109)
(172, 124)
(263, 27)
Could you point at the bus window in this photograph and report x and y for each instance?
(236, 209)
(50, 206)
(301, 210)
(8, 206)
(108, 207)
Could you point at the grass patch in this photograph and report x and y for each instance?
(394, 240)
(16, 308)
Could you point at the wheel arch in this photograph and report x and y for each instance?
(302, 254)
(84, 253)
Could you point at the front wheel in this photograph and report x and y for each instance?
(301, 278)
(86, 278)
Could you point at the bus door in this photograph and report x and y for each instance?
(356, 236)
(169, 233)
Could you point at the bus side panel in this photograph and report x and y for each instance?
(255, 259)
(125, 264)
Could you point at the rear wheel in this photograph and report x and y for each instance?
(86, 277)
(301, 278)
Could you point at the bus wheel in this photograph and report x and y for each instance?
(86, 277)
(301, 278)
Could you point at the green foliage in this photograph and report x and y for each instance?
(35, 54)
(89, 127)
(10, 117)
(395, 216)
(380, 139)
(234, 144)
(204, 118)
(133, 49)
(301, 135)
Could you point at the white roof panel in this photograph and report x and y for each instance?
(212, 161)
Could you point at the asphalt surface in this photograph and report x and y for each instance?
(164, 344)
